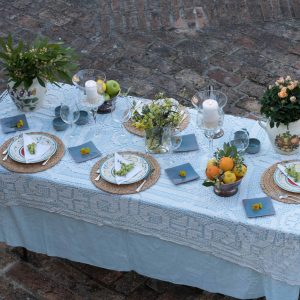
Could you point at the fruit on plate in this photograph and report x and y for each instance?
(226, 167)
(112, 88)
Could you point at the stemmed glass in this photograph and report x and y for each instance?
(121, 113)
(240, 139)
(210, 126)
(69, 110)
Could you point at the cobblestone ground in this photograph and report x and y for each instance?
(174, 46)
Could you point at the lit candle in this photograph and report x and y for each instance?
(91, 91)
(210, 112)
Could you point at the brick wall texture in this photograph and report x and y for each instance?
(150, 15)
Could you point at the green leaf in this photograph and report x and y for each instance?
(41, 82)
(208, 183)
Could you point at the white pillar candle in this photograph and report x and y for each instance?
(91, 91)
(210, 112)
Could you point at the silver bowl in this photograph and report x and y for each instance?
(227, 190)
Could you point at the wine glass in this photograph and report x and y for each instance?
(240, 139)
(69, 110)
(121, 113)
(211, 95)
(210, 123)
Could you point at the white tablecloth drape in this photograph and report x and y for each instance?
(188, 215)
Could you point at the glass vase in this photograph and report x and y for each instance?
(156, 140)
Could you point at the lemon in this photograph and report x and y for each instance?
(101, 86)
(229, 177)
(212, 162)
(240, 171)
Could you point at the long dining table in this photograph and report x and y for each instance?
(184, 234)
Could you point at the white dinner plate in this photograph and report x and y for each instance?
(16, 149)
(283, 182)
(108, 167)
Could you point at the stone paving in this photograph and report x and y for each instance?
(176, 46)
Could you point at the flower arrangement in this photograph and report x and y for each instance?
(226, 167)
(158, 119)
(162, 112)
(45, 61)
(281, 102)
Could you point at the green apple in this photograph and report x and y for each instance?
(106, 97)
(112, 88)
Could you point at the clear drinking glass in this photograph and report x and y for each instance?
(240, 139)
(210, 126)
(69, 110)
(174, 140)
(121, 113)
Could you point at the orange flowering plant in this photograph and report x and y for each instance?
(281, 102)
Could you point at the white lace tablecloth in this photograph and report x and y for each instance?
(188, 214)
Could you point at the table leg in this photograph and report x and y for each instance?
(24, 254)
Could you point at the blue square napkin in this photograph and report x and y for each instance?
(78, 157)
(188, 143)
(266, 210)
(9, 124)
(173, 174)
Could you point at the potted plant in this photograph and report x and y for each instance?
(157, 118)
(225, 171)
(30, 66)
(280, 104)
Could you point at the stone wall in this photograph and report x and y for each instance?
(148, 15)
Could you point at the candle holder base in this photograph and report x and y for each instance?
(218, 134)
(106, 108)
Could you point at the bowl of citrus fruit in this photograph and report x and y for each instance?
(225, 171)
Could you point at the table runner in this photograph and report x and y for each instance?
(189, 214)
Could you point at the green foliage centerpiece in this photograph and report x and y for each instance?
(29, 66)
(157, 119)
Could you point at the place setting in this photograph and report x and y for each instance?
(31, 152)
(125, 172)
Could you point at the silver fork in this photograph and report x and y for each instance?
(5, 152)
(286, 196)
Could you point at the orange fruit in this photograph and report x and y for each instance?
(212, 172)
(226, 164)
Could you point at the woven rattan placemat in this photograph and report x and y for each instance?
(184, 124)
(272, 189)
(14, 166)
(128, 188)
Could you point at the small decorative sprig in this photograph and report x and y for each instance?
(85, 151)
(125, 168)
(257, 206)
(31, 148)
(182, 173)
(20, 124)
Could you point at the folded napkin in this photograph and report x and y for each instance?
(122, 179)
(41, 149)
